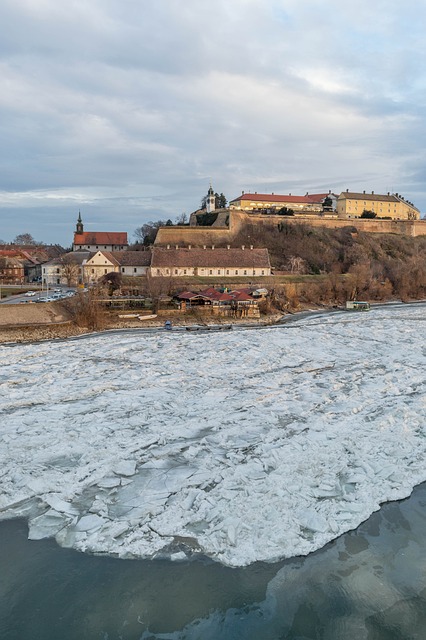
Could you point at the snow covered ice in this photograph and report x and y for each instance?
(245, 445)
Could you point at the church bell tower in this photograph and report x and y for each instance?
(211, 200)
(79, 225)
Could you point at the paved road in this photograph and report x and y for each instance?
(25, 299)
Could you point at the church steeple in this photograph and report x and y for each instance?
(79, 225)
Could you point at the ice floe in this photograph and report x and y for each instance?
(243, 446)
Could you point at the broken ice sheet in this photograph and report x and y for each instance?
(255, 445)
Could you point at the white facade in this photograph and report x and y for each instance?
(227, 272)
(134, 271)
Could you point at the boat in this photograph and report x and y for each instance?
(357, 305)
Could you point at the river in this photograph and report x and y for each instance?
(184, 477)
(368, 584)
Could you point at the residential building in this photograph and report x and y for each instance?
(238, 303)
(98, 265)
(11, 270)
(86, 267)
(67, 269)
(352, 205)
(133, 263)
(179, 262)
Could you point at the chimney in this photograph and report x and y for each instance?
(242, 247)
(273, 193)
(347, 190)
(242, 193)
(388, 193)
(364, 191)
(329, 191)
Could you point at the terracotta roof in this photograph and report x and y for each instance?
(217, 296)
(12, 262)
(271, 197)
(240, 296)
(101, 237)
(132, 258)
(214, 294)
(234, 258)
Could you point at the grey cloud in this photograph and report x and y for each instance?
(130, 102)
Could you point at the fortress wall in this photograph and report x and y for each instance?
(199, 236)
(403, 227)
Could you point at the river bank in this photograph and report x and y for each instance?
(31, 323)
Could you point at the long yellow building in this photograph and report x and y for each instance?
(394, 206)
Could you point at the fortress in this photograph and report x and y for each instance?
(221, 234)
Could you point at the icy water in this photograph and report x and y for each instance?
(210, 465)
(368, 584)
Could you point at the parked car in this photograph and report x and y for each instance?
(31, 293)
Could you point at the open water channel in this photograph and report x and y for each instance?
(367, 584)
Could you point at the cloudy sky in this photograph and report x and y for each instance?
(127, 109)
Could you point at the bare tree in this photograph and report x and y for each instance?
(24, 239)
(296, 264)
(70, 269)
(182, 219)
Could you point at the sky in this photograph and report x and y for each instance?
(127, 110)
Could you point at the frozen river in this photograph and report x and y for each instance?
(243, 446)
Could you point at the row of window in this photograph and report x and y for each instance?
(211, 273)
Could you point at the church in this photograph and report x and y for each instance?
(98, 240)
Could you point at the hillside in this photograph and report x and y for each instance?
(378, 266)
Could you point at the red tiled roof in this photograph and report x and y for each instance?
(240, 296)
(314, 198)
(217, 296)
(101, 237)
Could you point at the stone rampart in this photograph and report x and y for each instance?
(200, 236)
(402, 227)
(196, 236)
